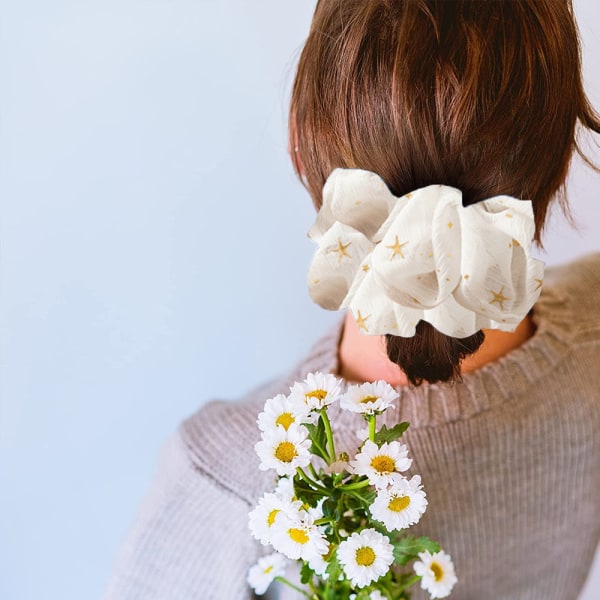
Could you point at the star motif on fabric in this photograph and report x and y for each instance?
(396, 248)
(341, 250)
(365, 268)
(360, 321)
(499, 297)
(539, 284)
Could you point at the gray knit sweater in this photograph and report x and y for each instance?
(509, 458)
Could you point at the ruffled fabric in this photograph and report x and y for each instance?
(396, 261)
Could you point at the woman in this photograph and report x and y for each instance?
(485, 97)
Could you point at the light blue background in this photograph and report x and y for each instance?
(152, 252)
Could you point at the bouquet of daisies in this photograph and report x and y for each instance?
(342, 518)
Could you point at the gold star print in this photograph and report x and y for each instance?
(539, 284)
(360, 321)
(341, 250)
(365, 268)
(396, 248)
(499, 297)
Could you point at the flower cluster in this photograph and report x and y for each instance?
(341, 517)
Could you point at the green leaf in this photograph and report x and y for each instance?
(389, 435)
(359, 499)
(318, 437)
(334, 568)
(330, 506)
(304, 492)
(408, 547)
(306, 573)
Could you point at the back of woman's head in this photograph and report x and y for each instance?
(484, 96)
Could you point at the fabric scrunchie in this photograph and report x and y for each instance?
(424, 256)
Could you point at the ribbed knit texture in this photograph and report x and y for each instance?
(509, 458)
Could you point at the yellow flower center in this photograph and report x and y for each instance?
(298, 535)
(318, 394)
(399, 503)
(383, 464)
(285, 419)
(268, 569)
(271, 517)
(365, 556)
(285, 452)
(368, 399)
(438, 572)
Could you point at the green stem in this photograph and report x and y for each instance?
(372, 419)
(312, 483)
(329, 434)
(294, 587)
(312, 471)
(324, 521)
(355, 486)
(323, 451)
(409, 582)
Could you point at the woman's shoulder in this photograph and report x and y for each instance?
(571, 292)
(219, 438)
(581, 273)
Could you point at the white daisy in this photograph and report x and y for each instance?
(316, 391)
(285, 489)
(318, 563)
(365, 557)
(264, 572)
(284, 450)
(297, 536)
(369, 398)
(401, 504)
(339, 466)
(437, 573)
(378, 463)
(270, 508)
(281, 411)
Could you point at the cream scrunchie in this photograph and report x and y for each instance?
(396, 261)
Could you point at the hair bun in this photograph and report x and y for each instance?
(430, 355)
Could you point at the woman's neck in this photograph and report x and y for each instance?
(363, 357)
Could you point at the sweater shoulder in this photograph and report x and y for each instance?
(219, 441)
(574, 289)
(220, 436)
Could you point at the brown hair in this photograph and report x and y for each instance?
(484, 96)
